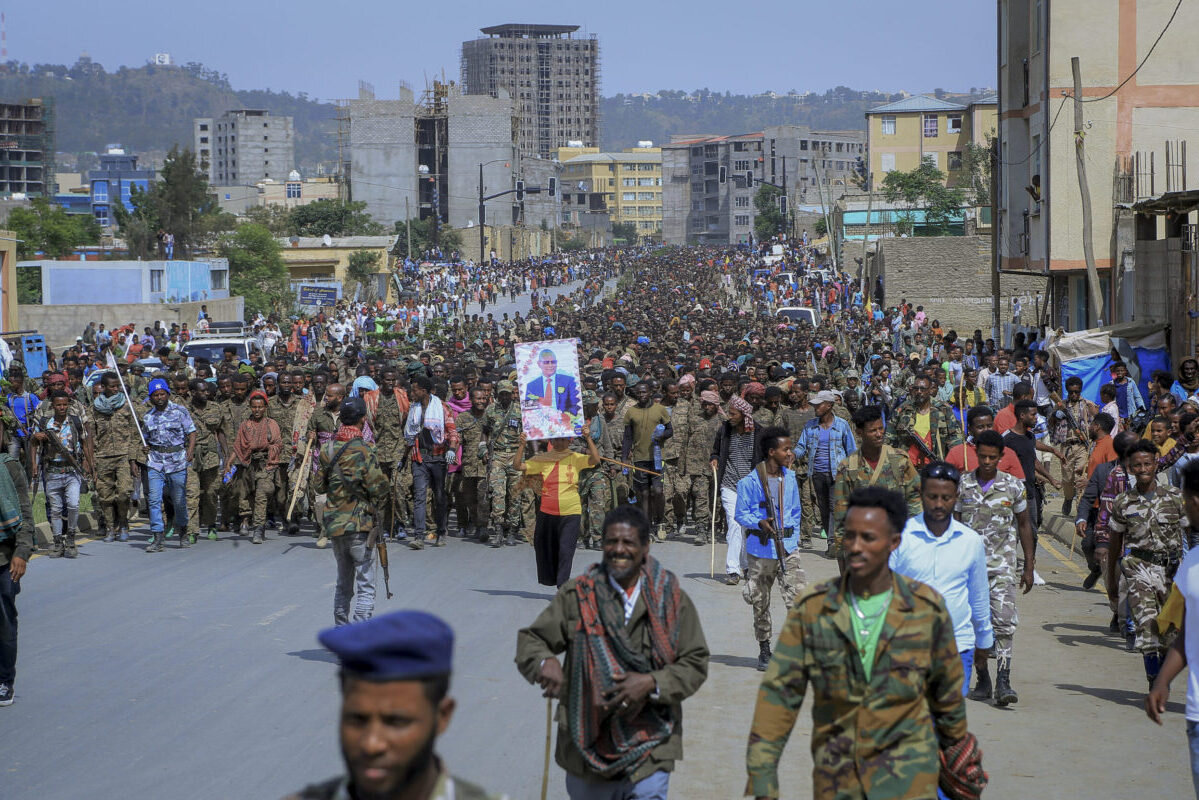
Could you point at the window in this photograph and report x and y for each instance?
(102, 216)
(930, 126)
(628, 196)
(100, 192)
(203, 126)
(645, 181)
(645, 195)
(218, 278)
(741, 220)
(803, 143)
(697, 205)
(293, 191)
(741, 166)
(954, 161)
(156, 280)
(628, 181)
(888, 122)
(741, 201)
(203, 140)
(953, 123)
(887, 162)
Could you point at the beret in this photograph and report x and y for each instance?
(400, 646)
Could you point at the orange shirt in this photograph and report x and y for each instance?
(1009, 462)
(1005, 419)
(1100, 454)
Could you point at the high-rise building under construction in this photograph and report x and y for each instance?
(551, 76)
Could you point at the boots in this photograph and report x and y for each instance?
(69, 549)
(763, 655)
(110, 536)
(157, 540)
(497, 538)
(256, 538)
(982, 685)
(184, 539)
(510, 537)
(55, 548)
(1153, 665)
(1005, 695)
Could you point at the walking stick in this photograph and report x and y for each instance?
(549, 723)
(301, 479)
(712, 526)
(1073, 539)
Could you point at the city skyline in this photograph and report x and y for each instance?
(779, 49)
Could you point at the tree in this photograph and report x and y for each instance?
(333, 218)
(48, 229)
(257, 271)
(273, 217)
(363, 268)
(448, 239)
(625, 231)
(769, 220)
(924, 188)
(180, 203)
(977, 167)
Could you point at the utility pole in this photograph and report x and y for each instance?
(408, 227)
(482, 216)
(828, 223)
(996, 301)
(1088, 247)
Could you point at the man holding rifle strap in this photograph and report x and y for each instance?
(64, 452)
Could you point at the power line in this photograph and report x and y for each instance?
(1044, 142)
(1124, 82)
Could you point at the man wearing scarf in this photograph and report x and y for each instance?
(634, 651)
(256, 450)
(115, 438)
(432, 444)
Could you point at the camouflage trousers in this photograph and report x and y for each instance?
(595, 489)
(1147, 589)
(760, 577)
(257, 489)
(114, 484)
(399, 512)
(470, 501)
(699, 491)
(674, 493)
(808, 509)
(202, 485)
(505, 499)
(1004, 619)
(1074, 469)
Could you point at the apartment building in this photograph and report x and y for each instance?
(27, 148)
(627, 185)
(921, 128)
(244, 146)
(551, 75)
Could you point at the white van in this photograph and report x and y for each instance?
(798, 314)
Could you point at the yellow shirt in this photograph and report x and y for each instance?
(921, 425)
(559, 471)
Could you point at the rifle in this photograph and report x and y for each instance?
(920, 444)
(1056, 398)
(774, 535)
(69, 457)
(381, 543)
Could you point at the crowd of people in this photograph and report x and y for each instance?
(918, 456)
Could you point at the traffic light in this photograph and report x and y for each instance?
(553, 187)
(722, 174)
(783, 204)
(520, 191)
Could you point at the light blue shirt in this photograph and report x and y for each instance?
(955, 564)
(751, 510)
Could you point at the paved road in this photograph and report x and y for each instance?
(196, 674)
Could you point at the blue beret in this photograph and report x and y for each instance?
(158, 383)
(400, 646)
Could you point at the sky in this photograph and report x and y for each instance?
(325, 48)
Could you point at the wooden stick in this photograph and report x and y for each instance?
(1073, 539)
(712, 526)
(300, 479)
(549, 723)
(629, 466)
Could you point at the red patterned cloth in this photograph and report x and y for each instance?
(962, 774)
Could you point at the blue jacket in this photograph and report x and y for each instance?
(841, 443)
(566, 392)
(751, 510)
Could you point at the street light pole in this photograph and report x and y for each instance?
(482, 216)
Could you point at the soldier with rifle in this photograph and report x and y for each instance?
(769, 509)
(356, 488)
(924, 429)
(62, 442)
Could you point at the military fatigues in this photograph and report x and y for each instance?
(392, 452)
(235, 500)
(795, 421)
(697, 455)
(502, 428)
(1154, 535)
(446, 788)
(323, 425)
(992, 513)
(1074, 445)
(285, 417)
(596, 484)
(115, 443)
(611, 445)
(894, 472)
(470, 481)
(760, 577)
(875, 737)
(204, 472)
(674, 488)
(942, 426)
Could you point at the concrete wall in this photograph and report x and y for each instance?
(951, 277)
(383, 157)
(62, 323)
(81, 282)
(479, 130)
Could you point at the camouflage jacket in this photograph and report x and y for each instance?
(115, 435)
(992, 514)
(942, 426)
(446, 788)
(474, 445)
(235, 414)
(870, 738)
(388, 426)
(502, 427)
(321, 421)
(895, 472)
(672, 448)
(793, 420)
(765, 418)
(209, 422)
(1157, 523)
(701, 435)
(607, 446)
(355, 486)
(285, 417)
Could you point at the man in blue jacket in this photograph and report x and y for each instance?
(554, 389)
(824, 442)
(767, 518)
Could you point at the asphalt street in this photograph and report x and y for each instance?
(196, 674)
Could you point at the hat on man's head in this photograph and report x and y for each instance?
(826, 396)
(505, 386)
(590, 398)
(351, 410)
(159, 383)
(400, 646)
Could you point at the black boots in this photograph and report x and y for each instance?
(982, 686)
(55, 548)
(763, 655)
(257, 537)
(69, 548)
(157, 540)
(1005, 695)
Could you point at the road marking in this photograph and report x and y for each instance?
(78, 541)
(1042, 542)
(270, 618)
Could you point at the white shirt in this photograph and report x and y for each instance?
(630, 600)
(1187, 581)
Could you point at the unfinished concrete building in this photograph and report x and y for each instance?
(552, 77)
(27, 148)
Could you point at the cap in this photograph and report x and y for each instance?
(852, 373)
(590, 398)
(505, 386)
(352, 408)
(825, 396)
(400, 646)
(159, 383)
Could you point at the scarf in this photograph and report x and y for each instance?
(108, 405)
(347, 432)
(362, 383)
(617, 744)
(747, 411)
(255, 436)
(433, 418)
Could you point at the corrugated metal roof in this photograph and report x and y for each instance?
(605, 158)
(919, 102)
(339, 241)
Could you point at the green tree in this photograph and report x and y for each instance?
(924, 188)
(363, 268)
(422, 237)
(274, 217)
(257, 271)
(180, 203)
(46, 228)
(979, 171)
(625, 231)
(333, 218)
(769, 220)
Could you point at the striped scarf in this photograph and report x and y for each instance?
(615, 745)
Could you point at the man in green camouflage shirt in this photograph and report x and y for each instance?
(204, 472)
(471, 478)
(919, 416)
(879, 652)
(115, 439)
(502, 424)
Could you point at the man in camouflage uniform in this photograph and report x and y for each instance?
(611, 443)
(1148, 523)
(943, 429)
(204, 472)
(674, 488)
(235, 501)
(387, 423)
(995, 505)
(875, 464)
(502, 425)
(471, 478)
(322, 426)
(1073, 441)
(877, 723)
(595, 487)
(282, 409)
(702, 426)
(115, 440)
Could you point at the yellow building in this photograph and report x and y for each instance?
(901, 134)
(627, 185)
(315, 261)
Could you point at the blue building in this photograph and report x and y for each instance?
(113, 181)
(100, 282)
